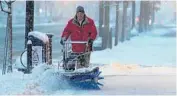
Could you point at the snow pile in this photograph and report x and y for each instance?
(40, 69)
(39, 35)
(21, 62)
(162, 33)
(134, 31)
(13, 83)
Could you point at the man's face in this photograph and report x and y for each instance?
(80, 16)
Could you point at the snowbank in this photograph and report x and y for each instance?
(13, 83)
(134, 31)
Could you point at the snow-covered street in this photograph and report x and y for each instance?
(123, 70)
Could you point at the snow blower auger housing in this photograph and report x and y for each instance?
(77, 68)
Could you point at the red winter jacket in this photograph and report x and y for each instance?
(79, 32)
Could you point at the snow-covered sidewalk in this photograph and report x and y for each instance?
(154, 48)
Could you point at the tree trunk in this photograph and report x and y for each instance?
(110, 39)
(103, 28)
(153, 12)
(133, 13)
(117, 24)
(123, 35)
(8, 39)
(145, 15)
(141, 17)
(101, 9)
(120, 22)
(127, 22)
(106, 25)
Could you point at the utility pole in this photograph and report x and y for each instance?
(29, 24)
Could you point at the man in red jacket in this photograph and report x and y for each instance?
(80, 28)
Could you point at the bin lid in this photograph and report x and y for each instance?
(39, 35)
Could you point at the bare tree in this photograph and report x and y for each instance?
(8, 39)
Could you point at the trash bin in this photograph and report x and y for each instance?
(38, 51)
(41, 47)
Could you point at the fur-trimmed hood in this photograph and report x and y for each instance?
(85, 21)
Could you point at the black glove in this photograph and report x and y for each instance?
(90, 43)
(62, 41)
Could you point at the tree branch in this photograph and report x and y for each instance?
(6, 11)
(12, 1)
(6, 2)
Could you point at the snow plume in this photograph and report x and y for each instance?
(40, 69)
(45, 79)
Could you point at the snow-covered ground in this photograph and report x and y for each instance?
(144, 65)
(153, 48)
